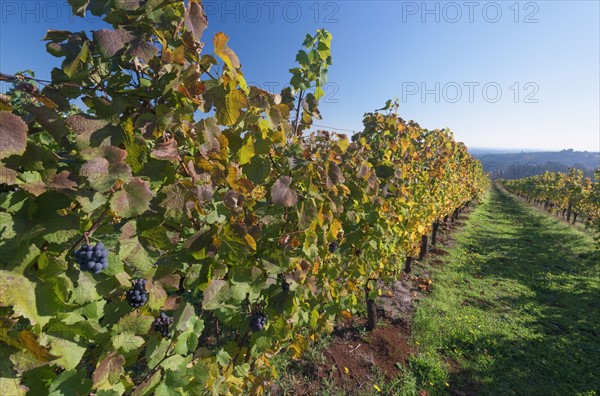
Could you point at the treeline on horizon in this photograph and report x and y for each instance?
(518, 165)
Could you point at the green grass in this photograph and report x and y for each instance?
(515, 309)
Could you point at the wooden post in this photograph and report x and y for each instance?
(423, 252)
(408, 265)
(371, 310)
(434, 231)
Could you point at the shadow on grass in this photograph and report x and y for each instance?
(559, 353)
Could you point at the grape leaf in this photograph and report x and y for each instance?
(166, 151)
(127, 341)
(18, 292)
(50, 120)
(110, 42)
(13, 134)
(282, 194)
(134, 322)
(69, 352)
(108, 371)
(92, 132)
(195, 19)
(224, 52)
(133, 199)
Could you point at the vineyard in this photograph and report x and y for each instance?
(567, 195)
(184, 228)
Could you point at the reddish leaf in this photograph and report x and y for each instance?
(13, 134)
(282, 194)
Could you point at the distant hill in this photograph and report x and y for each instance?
(522, 164)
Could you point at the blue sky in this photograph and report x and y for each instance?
(498, 74)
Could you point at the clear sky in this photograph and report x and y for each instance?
(501, 74)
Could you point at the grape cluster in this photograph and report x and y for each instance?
(258, 321)
(92, 258)
(285, 286)
(138, 296)
(333, 246)
(162, 323)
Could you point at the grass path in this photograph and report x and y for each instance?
(515, 309)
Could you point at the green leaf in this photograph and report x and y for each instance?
(79, 6)
(69, 352)
(127, 341)
(70, 383)
(131, 250)
(183, 319)
(135, 323)
(229, 111)
(72, 67)
(18, 292)
(146, 387)
(247, 151)
(90, 201)
(186, 342)
(223, 358)
(216, 294)
(86, 289)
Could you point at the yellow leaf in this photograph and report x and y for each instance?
(378, 389)
(250, 241)
(46, 102)
(315, 269)
(298, 346)
(334, 229)
(224, 52)
(404, 143)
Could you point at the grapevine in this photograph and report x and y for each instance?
(205, 188)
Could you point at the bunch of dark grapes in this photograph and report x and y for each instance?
(92, 258)
(162, 323)
(333, 246)
(138, 296)
(258, 321)
(285, 286)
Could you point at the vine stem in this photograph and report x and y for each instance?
(274, 163)
(300, 98)
(91, 230)
(151, 372)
